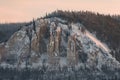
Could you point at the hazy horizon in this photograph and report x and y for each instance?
(26, 10)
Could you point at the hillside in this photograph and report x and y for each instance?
(105, 27)
(7, 29)
(56, 49)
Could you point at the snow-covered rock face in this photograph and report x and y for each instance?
(49, 46)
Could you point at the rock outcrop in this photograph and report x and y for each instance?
(55, 43)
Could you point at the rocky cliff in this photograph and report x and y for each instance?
(56, 43)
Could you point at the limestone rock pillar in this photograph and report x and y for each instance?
(72, 56)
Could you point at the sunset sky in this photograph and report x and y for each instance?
(25, 10)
